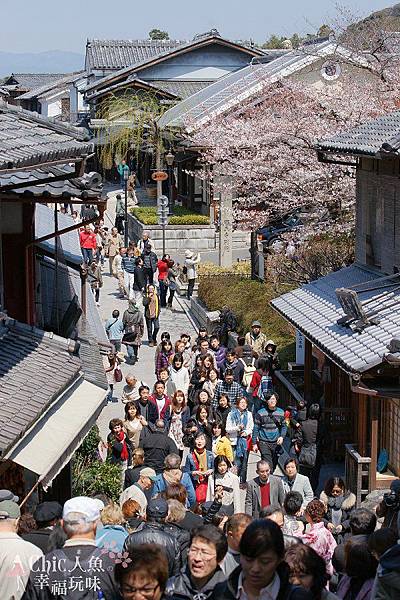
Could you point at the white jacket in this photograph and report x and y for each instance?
(117, 264)
(232, 428)
(180, 378)
(190, 264)
(228, 480)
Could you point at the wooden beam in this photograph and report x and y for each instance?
(307, 369)
(360, 401)
(374, 443)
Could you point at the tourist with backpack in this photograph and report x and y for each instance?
(269, 429)
(253, 389)
(231, 362)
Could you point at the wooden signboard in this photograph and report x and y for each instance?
(159, 176)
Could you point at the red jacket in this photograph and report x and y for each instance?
(88, 240)
(162, 270)
(166, 411)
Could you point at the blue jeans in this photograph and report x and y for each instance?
(87, 254)
(241, 463)
(153, 327)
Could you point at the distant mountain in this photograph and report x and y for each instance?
(387, 19)
(51, 61)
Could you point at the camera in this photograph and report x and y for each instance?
(392, 500)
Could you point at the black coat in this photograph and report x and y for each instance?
(148, 411)
(191, 521)
(39, 537)
(228, 590)
(139, 279)
(338, 558)
(182, 588)
(155, 533)
(132, 475)
(157, 445)
(115, 449)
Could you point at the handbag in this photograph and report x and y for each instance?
(117, 374)
(308, 455)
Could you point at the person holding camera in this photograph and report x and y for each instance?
(389, 507)
(230, 484)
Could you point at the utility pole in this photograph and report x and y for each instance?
(162, 212)
(126, 177)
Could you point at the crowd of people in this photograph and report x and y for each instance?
(189, 522)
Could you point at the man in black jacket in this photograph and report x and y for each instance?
(146, 408)
(203, 572)
(153, 532)
(46, 515)
(157, 445)
(139, 285)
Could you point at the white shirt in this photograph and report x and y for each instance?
(16, 559)
(160, 405)
(268, 593)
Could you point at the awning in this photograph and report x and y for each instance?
(53, 439)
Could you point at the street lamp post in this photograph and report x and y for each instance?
(170, 161)
(126, 177)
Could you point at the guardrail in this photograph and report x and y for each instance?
(357, 473)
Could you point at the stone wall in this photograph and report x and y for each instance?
(182, 237)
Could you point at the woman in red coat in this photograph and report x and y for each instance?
(163, 266)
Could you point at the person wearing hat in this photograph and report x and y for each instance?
(190, 263)
(16, 554)
(152, 531)
(137, 491)
(255, 338)
(79, 560)
(46, 515)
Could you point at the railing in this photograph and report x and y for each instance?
(357, 473)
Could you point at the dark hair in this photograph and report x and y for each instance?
(228, 371)
(262, 535)
(359, 561)
(219, 460)
(304, 560)
(237, 520)
(292, 503)
(241, 340)
(362, 521)
(186, 335)
(106, 500)
(177, 358)
(138, 260)
(314, 411)
(262, 364)
(115, 313)
(114, 422)
(214, 337)
(316, 510)
(331, 483)
(143, 387)
(198, 396)
(214, 536)
(174, 403)
(292, 459)
(56, 539)
(165, 335)
(158, 382)
(231, 352)
(149, 558)
(129, 405)
(381, 540)
(176, 491)
(164, 343)
(270, 394)
(199, 408)
(203, 328)
(220, 425)
(270, 510)
(26, 523)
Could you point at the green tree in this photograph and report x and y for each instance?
(158, 34)
(296, 40)
(274, 42)
(324, 31)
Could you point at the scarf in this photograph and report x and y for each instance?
(240, 418)
(202, 460)
(336, 503)
(124, 452)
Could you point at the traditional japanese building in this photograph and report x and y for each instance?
(351, 318)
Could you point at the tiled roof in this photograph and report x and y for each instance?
(117, 54)
(35, 368)
(186, 46)
(33, 176)
(132, 81)
(367, 138)
(230, 91)
(181, 89)
(314, 309)
(39, 91)
(32, 80)
(28, 139)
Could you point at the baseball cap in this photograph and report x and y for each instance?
(8, 495)
(256, 324)
(157, 508)
(47, 511)
(148, 472)
(9, 510)
(87, 507)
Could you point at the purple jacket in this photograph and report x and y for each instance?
(363, 594)
(220, 356)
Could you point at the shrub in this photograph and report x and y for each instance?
(88, 448)
(249, 300)
(181, 216)
(242, 267)
(90, 478)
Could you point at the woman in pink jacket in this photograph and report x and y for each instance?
(317, 535)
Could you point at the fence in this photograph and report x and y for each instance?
(357, 473)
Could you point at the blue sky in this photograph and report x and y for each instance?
(37, 25)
